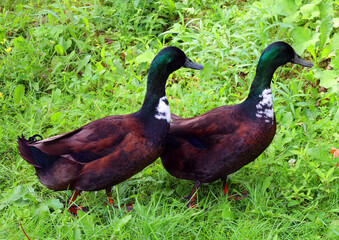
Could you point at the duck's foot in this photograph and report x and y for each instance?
(129, 206)
(191, 200)
(193, 194)
(74, 209)
(238, 197)
(191, 205)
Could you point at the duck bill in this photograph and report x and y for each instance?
(298, 60)
(190, 64)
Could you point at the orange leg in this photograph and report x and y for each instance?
(129, 207)
(72, 209)
(233, 197)
(224, 185)
(193, 194)
(109, 195)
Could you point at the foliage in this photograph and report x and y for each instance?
(65, 63)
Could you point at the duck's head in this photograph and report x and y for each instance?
(172, 58)
(274, 56)
(280, 53)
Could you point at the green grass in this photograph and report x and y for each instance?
(65, 63)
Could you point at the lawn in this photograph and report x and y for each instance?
(65, 63)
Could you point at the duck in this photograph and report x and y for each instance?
(221, 141)
(109, 150)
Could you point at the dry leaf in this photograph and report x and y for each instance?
(335, 153)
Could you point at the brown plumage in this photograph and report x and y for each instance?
(108, 151)
(223, 140)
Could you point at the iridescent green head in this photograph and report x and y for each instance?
(165, 62)
(280, 53)
(172, 58)
(274, 56)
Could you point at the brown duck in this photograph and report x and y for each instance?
(108, 151)
(223, 140)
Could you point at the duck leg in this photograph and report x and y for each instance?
(109, 195)
(236, 197)
(72, 208)
(193, 194)
(129, 207)
(224, 186)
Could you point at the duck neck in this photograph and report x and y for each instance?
(155, 102)
(262, 79)
(261, 94)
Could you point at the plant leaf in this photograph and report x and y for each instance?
(55, 204)
(83, 62)
(19, 93)
(329, 78)
(227, 213)
(326, 27)
(58, 48)
(145, 57)
(303, 38)
(310, 11)
(122, 222)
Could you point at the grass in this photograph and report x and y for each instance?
(65, 63)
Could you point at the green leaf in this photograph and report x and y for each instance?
(43, 207)
(292, 203)
(335, 63)
(292, 18)
(310, 11)
(76, 232)
(335, 42)
(326, 27)
(320, 173)
(19, 93)
(55, 204)
(333, 230)
(317, 153)
(168, 191)
(145, 57)
(20, 43)
(227, 213)
(58, 48)
(81, 45)
(102, 54)
(335, 22)
(285, 7)
(86, 23)
(303, 38)
(122, 222)
(330, 172)
(55, 116)
(83, 62)
(326, 9)
(329, 78)
(136, 3)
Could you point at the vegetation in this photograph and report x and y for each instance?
(65, 63)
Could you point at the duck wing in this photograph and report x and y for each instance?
(88, 143)
(205, 130)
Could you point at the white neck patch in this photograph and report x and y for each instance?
(163, 110)
(265, 106)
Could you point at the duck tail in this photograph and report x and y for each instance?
(175, 117)
(26, 152)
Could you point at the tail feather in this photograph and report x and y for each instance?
(26, 152)
(175, 117)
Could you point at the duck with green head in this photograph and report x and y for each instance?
(223, 140)
(109, 150)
